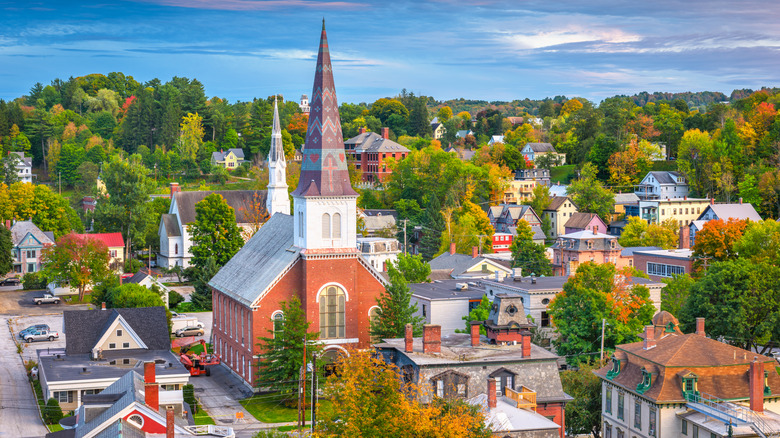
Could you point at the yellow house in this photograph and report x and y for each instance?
(230, 159)
(560, 210)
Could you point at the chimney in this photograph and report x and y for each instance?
(408, 338)
(8, 224)
(756, 381)
(452, 248)
(475, 325)
(525, 339)
(685, 237)
(649, 337)
(431, 338)
(362, 130)
(170, 431)
(474, 252)
(175, 189)
(151, 391)
(386, 133)
(740, 201)
(700, 327)
(491, 393)
(712, 201)
(103, 305)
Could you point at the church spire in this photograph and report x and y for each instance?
(278, 200)
(324, 167)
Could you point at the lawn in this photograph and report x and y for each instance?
(563, 174)
(268, 408)
(202, 418)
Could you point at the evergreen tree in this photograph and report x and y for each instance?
(282, 359)
(432, 228)
(6, 246)
(200, 276)
(214, 232)
(395, 309)
(419, 123)
(529, 256)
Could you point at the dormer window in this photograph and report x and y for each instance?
(767, 389)
(611, 374)
(690, 387)
(644, 385)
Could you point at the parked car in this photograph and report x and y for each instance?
(11, 281)
(46, 298)
(33, 328)
(41, 335)
(189, 331)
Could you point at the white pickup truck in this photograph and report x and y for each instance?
(41, 335)
(46, 298)
(183, 321)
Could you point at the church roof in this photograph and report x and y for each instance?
(324, 167)
(257, 265)
(276, 153)
(239, 200)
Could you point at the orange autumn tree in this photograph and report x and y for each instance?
(370, 399)
(715, 242)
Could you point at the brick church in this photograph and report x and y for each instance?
(311, 253)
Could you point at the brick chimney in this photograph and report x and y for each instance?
(362, 130)
(475, 325)
(756, 381)
(452, 248)
(474, 252)
(8, 224)
(103, 305)
(649, 337)
(431, 338)
(386, 133)
(700, 327)
(685, 237)
(170, 431)
(408, 338)
(525, 340)
(175, 189)
(491, 393)
(712, 201)
(151, 390)
(740, 201)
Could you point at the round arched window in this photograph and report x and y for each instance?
(332, 312)
(136, 420)
(546, 301)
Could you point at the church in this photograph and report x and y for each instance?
(308, 251)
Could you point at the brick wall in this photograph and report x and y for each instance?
(641, 260)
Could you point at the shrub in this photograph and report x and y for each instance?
(52, 413)
(174, 299)
(188, 391)
(133, 265)
(33, 280)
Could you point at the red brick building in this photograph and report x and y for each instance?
(311, 255)
(663, 263)
(369, 151)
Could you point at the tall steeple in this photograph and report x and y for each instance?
(278, 200)
(324, 202)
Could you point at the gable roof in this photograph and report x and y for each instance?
(20, 229)
(85, 327)
(220, 155)
(111, 240)
(239, 200)
(733, 211)
(556, 202)
(626, 198)
(666, 177)
(540, 147)
(458, 264)
(581, 220)
(255, 267)
(114, 321)
(536, 229)
(171, 225)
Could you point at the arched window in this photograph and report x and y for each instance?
(300, 223)
(176, 249)
(278, 320)
(326, 226)
(136, 420)
(332, 310)
(336, 226)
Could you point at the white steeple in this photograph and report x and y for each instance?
(278, 200)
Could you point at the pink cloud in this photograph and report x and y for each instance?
(255, 5)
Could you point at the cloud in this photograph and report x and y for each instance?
(574, 34)
(256, 5)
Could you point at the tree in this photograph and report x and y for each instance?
(256, 215)
(412, 267)
(740, 300)
(280, 366)
(191, 136)
(529, 256)
(432, 228)
(715, 241)
(395, 309)
(214, 232)
(479, 313)
(590, 195)
(6, 248)
(638, 233)
(676, 292)
(9, 174)
(597, 292)
(130, 295)
(367, 402)
(444, 114)
(583, 414)
(200, 276)
(52, 412)
(76, 260)
(760, 241)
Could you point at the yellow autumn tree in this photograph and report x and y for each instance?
(191, 135)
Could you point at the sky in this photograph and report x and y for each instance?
(479, 49)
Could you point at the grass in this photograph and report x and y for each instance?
(74, 299)
(189, 307)
(268, 408)
(57, 427)
(202, 418)
(563, 174)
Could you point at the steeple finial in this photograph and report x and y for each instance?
(277, 200)
(323, 23)
(276, 153)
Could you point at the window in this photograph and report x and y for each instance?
(451, 384)
(91, 391)
(332, 310)
(326, 226)
(31, 254)
(136, 420)
(674, 211)
(685, 427)
(63, 396)
(695, 431)
(300, 224)
(607, 430)
(663, 212)
(637, 414)
(505, 378)
(278, 321)
(608, 401)
(644, 385)
(621, 400)
(113, 253)
(663, 270)
(111, 346)
(173, 387)
(373, 313)
(621, 434)
(712, 435)
(545, 319)
(424, 311)
(176, 248)
(31, 267)
(125, 345)
(119, 332)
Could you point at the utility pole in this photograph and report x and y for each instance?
(302, 392)
(603, 325)
(405, 221)
(313, 391)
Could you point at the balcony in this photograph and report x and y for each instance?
(525, 398)
(171, 397)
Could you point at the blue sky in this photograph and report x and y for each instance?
(480, 49)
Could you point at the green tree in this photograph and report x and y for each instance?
(432, 228)
(191, 137)
(583, 414)
(200, 276)
(280, 365)
(395, 309)
(590, 195)
(638, 233)
(760, 242)
(676, 292)
(214, 232)
(596, 292)
(52, 412)
(529, 256)
(76, 260)
(479, 313)
(9, 174)
(412, 267)
(133, 295)
(740, 300)
(6, 247)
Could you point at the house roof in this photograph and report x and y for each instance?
(21, 228)
(507, 417)
(171, 225)
(239, 200)
(626, 198)
(556, 202)
(582, 220)
(85, 327)
(257, 264)
(684, 254)
(576, 242)
(458, 264)
(379, 212)
(448, 290)
(111, 240)
(558, 190)
(540, 147)
(137, 278)
(733, 211)
(70, 367)
(496, 210)
(629, 251)
(537, 230)
(220, 155)
(374, 223)
(373, 142)
(497, 139)
(25, 161)
(666, 177)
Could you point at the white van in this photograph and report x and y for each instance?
(182, 321)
